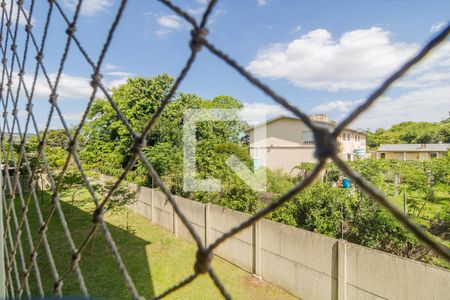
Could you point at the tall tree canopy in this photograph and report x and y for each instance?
(411, 133)
(107, 141)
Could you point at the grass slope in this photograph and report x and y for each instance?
(155, 259)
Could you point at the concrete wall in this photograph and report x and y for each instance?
(308, 265)
(239, 248)
(302, 262)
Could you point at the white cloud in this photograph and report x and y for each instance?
(423, 104)
(262, 2)
(335, 106)
(115, 70)
(73, 116)
(438, 26)
(296, 29)
(168, 24)
(359, 59)
(120, 73)
(70, 87)
(116, 83)
(111, 67)
(428, 104)
(170, 21)
(90, 7)
(259, 112)
(22, 20)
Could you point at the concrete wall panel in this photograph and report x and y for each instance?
(237, 249)
(195, 213)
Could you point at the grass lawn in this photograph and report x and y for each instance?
(155, 259)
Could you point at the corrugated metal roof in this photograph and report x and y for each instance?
(413, 147)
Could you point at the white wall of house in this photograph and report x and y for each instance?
(351, 140)
(289, 142)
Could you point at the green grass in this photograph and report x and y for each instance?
(155, 259)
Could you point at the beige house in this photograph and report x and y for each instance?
(284, 142)
(411, 151)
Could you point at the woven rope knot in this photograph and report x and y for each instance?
(71, 29)
(53, 98)
(25, 274)
(3, 4)
(21, 73)
(55, 197)
(5, 114)
(24, 210)
(203, 261)
(20, 2)
(14, 112)
(28, 28)
(13, 47)
(9, 83)
(326, 144)
(30, 183)
(96, 79)
(57, 287)
(138, 144)
(72, 146)
(39, 57)
(41, 145)
(197, 35)
(43, 228)
(75, 257)
(8, 23)
(4, 61)
(98, 214)
(33, 256)
(29, 107)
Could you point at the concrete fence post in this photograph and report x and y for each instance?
(257, 249)
(342, 270)
(152, 213)
(207, 223)
(175, 219)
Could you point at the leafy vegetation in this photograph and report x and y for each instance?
(411, 133)
(144, 249)
(421, 187)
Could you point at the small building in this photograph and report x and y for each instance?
(287, 142)
(411, 151)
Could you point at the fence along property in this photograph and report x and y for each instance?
(20, 43)
(306, 264)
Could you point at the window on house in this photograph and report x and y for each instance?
(382, 155)
(433, 155)
(308, 137)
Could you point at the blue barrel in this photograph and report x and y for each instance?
(345, 183)
(360, 152)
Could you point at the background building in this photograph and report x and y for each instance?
(411, 151)
(288, 142)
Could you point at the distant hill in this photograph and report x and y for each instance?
(411, 133)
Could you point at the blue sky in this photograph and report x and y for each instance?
(324, 56)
